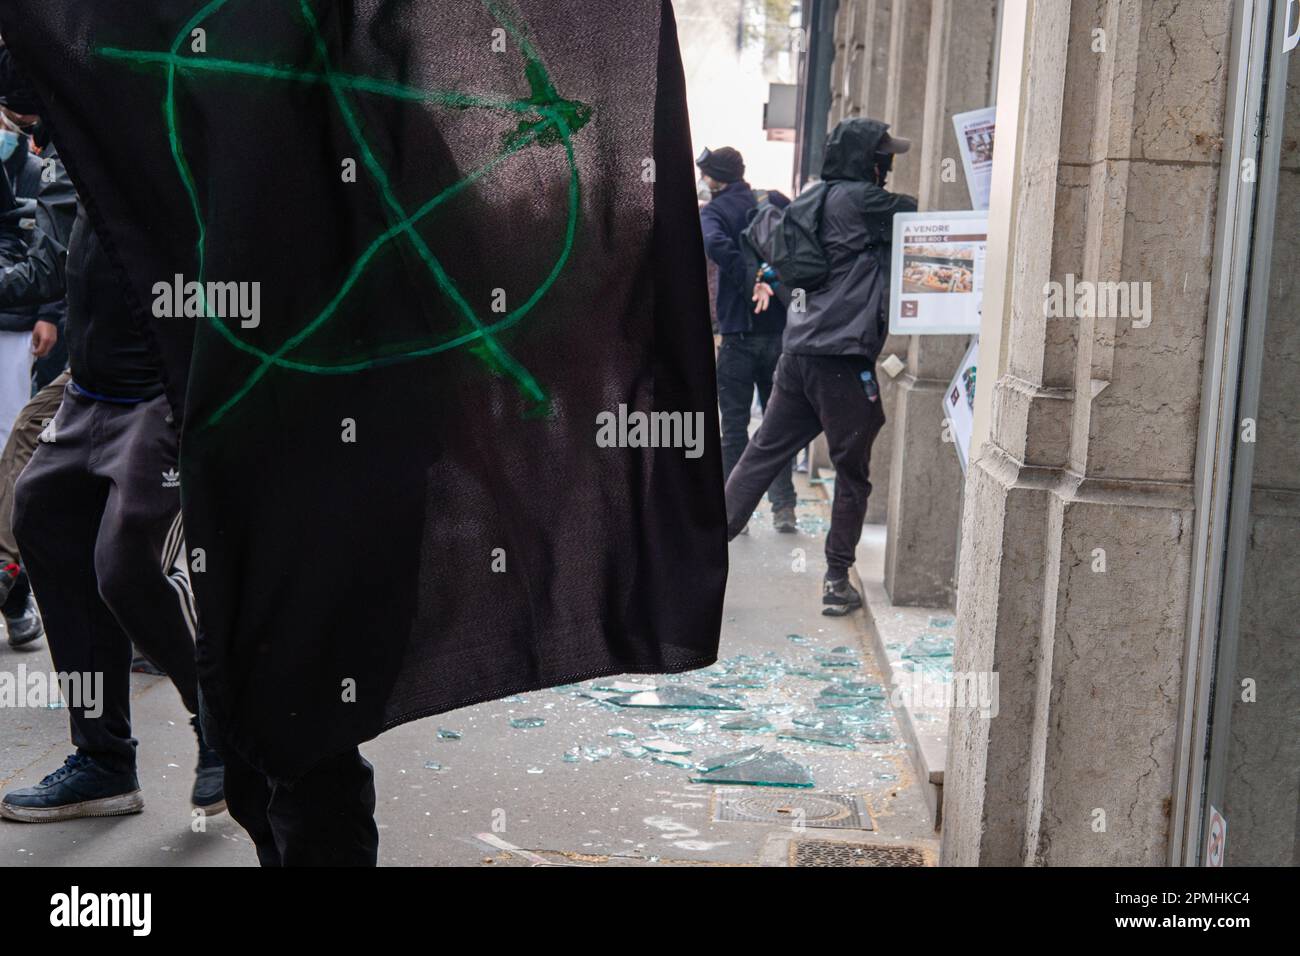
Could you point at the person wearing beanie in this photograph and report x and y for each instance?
(751, 343)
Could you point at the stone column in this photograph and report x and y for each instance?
(1078, 521)
(925, 476)
(909, 48)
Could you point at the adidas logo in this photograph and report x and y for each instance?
(171, 478)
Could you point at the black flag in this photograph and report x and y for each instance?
(427, 285)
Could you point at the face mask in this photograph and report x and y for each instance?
(8, 143)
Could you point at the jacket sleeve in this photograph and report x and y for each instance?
(39, 277)
(879, 206)
(722, 249)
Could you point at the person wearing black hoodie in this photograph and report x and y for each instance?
(825, 380)
(97, 512)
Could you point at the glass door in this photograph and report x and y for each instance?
(1249, 801)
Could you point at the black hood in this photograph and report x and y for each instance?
(851, 149)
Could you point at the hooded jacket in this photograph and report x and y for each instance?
(18, 191)
(847, 314)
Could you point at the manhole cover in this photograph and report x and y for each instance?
(831, 810)
(831, 853)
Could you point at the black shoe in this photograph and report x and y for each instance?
(80, 788)
(784, 521)
(209, 793)
(25, 627)
(839, 597)
(8, 577)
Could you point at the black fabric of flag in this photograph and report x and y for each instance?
(472, 228)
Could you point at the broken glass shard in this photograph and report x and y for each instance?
(764, 770)
(829, 738)
(835, 660)
(812, 673)
(662, 745)
(621, 732)
(739, 683)
(695, 727)
(941, 622)
(670, 723)
(719, 761)
(633, 751)
(673, 760)
(929, 646)
(525, 723)
(676, 698)
(748, 725)
(797, 639)
(433, 765)
(622, 686)
(445, 734)
(876, 734)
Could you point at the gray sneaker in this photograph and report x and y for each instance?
(27, 626)
(839, 597)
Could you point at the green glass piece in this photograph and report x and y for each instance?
(929, 645)
(525, 723)
(676, 698)
(764, 770)
(445, 734)
(673, 760)
(827, 737)
(662, 745)
(748, 725)
(735, 757)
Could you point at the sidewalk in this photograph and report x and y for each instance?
(565, 792)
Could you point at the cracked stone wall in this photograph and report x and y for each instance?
(1077, 530)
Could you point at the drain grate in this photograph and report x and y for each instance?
(832, 853)
(822, 810)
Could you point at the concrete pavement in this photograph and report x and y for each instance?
(499, 794)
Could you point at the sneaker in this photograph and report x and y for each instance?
(80, 788)
(8, 575)
(209, 792)
(783, 520)
(839, 597)
(27, 626)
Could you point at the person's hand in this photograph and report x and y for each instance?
(762, 296)
(44, 337)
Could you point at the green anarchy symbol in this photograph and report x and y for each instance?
(545, 118)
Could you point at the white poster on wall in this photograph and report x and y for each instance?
(975, 140)
(937, 281)
(959, 403)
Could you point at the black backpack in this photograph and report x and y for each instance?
(787, 240)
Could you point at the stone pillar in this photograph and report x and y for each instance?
(1075, 570)
(925, 476)
(909, 48)
(877, 14)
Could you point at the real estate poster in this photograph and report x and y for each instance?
(959, 402)
(975, 140)
(937, 285)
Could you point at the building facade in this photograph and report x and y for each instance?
(1122, 549)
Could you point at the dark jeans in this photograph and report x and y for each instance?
(747, 361)
(325, 818)
(812, 394)
(97, 518)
